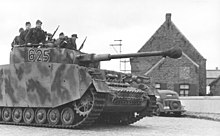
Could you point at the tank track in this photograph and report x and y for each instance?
(97, 108)
(126, 118)
(95, 115)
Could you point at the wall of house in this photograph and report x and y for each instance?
(202, 78)
(171, 73)
(166, 37)
(215, 88)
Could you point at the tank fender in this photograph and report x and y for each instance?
(69, 83)
(100, 86)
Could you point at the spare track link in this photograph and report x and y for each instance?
(87, 121)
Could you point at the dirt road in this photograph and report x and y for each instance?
(150, 126)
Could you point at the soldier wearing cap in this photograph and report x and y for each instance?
(61, 41)
(72, 42)
(36, 35)
(24, 33)
(17, 39)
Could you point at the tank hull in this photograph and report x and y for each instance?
(42, 84)
(77, 96)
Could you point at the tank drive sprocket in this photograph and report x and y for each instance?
(84, 105)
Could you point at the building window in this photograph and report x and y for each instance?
(184, 90)
(157, 86)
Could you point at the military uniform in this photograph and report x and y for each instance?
(35, 36)
(23, 35)
(71, 44)
(61, 42)
(16, 41)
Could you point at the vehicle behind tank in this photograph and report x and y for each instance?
(58, 87)
(168, 103)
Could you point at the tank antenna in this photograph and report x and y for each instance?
(55, 32)
(82, 44)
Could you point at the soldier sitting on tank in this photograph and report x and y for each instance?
(17, 39)
(36, 35)
(24, 33)
(61, 42)
(72, 42)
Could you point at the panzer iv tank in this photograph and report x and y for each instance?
(58, 87)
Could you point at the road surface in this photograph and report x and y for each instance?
(149, 126)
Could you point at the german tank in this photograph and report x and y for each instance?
(58, 87)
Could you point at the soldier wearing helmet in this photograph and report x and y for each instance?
(36, 35)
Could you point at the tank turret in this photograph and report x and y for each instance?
(172, 53)
(66, 56)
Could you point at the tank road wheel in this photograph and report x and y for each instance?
(40, 116)
(85, 104)
(6, 114)
(17, 115)
(53, 116)
(28, 115)
(67, 116)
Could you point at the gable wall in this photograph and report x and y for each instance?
(171, 73)
(168, 36)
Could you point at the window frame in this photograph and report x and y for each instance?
(184, 89)
(159, 85)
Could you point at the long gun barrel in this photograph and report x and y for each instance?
(82, 44)
(55, 32)
(172, 53)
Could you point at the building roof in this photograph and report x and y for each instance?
(214, 81)
(193, 62)
(165, 30)
(212, 73)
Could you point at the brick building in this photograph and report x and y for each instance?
(211, 75)
(215, 87)
(186, 75)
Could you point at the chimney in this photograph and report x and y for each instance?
(168, 17)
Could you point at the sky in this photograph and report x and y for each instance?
(103, 21)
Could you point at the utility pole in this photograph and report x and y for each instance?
(117, 45)
(125, 70)
(124, 61)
